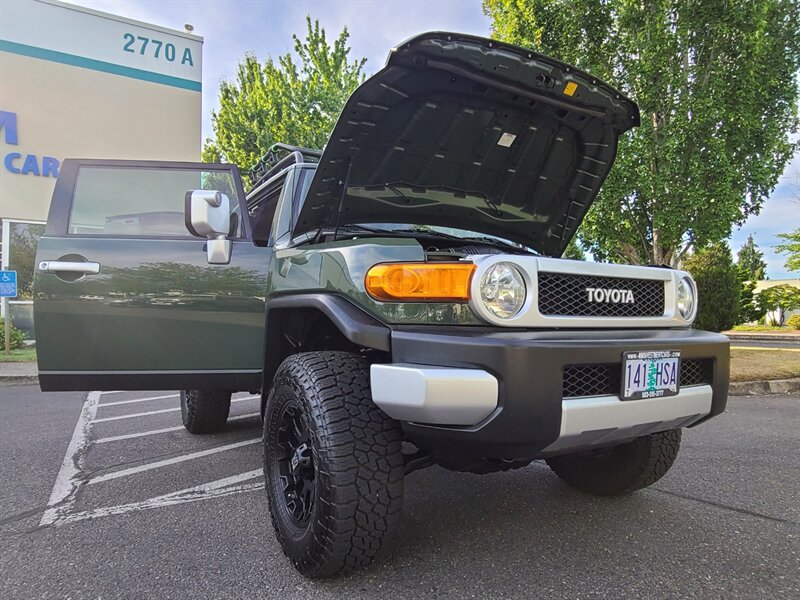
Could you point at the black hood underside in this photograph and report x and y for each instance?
(465, 132)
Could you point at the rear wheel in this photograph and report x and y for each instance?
(204, 411)
(620, 469)
(332, 463)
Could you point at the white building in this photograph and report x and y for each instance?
(78, 83)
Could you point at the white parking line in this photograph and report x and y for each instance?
(214, 489)
(156, 412)
(72, 474)
(134, 415)
(129, 436)
(69, 476)
(138, 400)
(170, 461)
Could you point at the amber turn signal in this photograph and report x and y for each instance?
(420, 282)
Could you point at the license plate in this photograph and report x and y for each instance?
(650, 374)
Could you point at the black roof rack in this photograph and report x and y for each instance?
(278, 157)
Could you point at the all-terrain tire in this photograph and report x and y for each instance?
(355, 482)
(204, 411)
(620, 469)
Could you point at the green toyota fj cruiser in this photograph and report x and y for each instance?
(397, 299)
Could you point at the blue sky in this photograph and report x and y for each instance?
(232, 28)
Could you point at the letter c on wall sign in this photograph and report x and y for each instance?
(9, 161)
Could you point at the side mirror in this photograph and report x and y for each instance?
(208, 215)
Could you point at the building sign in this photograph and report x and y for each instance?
(22, 163)
(77, 82)
(72, 35)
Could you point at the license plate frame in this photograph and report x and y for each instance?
(651, 358)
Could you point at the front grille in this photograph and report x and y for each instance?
(696, 372)
(593, 380)
(605, 380)
(564, 294)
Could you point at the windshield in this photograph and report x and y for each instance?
(411, 228)
(454, 232)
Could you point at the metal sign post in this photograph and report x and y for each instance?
(8, 289)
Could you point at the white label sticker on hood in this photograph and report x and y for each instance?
(506, 139)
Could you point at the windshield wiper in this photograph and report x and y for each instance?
(495, 242)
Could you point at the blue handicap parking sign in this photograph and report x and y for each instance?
(8, 284)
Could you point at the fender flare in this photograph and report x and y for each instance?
(354, 323)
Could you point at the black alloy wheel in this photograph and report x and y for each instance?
(296, 464)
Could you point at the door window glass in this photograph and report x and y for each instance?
(122, 201)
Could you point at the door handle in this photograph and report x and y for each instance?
(65, 266)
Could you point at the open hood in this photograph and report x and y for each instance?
(466, 132)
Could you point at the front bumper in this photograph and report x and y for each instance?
(527, 416)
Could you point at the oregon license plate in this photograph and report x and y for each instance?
(650, 374)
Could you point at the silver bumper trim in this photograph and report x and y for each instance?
(433, 395)
(599, 420)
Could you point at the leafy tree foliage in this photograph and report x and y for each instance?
(574, 250)
(718, 287)
(792, 248)
(291, 101)
(716, 81)
(751, 261)
(780, 299)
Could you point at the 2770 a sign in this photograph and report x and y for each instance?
(156, 48)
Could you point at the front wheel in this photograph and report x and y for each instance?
(620, 469)
(332, 463)
(204, 411)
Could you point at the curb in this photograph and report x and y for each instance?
(763, 337)
(761, 388)
(8, 380)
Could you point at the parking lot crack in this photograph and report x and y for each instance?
(728, 507)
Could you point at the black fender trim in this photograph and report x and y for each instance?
(352, 321)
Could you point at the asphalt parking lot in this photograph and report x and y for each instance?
(105, 495)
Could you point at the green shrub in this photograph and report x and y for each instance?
(718, 287)
(793, 322)
(17, 338)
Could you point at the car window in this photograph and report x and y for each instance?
(262, 213)
(301, 191)
(134, 201)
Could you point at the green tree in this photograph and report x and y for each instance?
(294, 101)
(779, 299)
(751, 260)
(574, 250)
(716, 81)
(749, 310)
(792, 248)
(718, 287)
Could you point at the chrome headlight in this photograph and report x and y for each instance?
(685, 298)
(503, 290)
